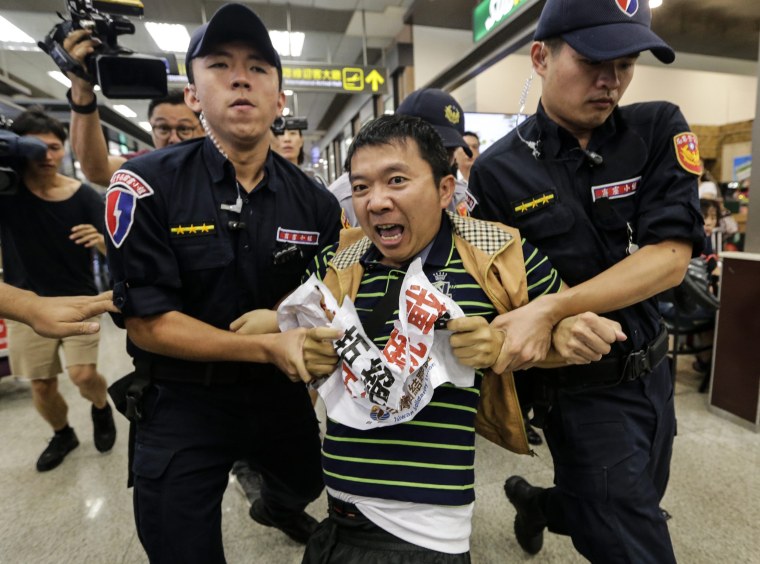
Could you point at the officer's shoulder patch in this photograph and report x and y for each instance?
(687, 152)
(121, 199)
(534, 203)
(126, 179)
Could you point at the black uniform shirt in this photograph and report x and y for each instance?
(172, 248)
(584, 215)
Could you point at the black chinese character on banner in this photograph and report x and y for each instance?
(348, 346)
(378, 380)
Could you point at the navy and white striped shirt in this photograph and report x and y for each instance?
(431, 458)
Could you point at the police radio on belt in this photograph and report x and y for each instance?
(119, 71)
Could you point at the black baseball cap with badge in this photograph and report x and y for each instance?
(232, 22)
(440, 110)
(602, 30)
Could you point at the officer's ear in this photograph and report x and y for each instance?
(538, 52)
(191, 98)
(281, 102)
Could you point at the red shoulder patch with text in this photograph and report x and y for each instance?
(687, 152)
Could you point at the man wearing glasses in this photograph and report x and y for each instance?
(170, 119)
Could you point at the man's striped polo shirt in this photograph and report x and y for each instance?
(431, 458)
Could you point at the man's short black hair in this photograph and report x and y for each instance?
(392, 129)
(35, 120)
(471, 134)
(174, 98)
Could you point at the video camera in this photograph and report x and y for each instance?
(13, 151)
(119, 71)
(282, 123)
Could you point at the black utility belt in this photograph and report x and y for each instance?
(343, 508)
(205, 373)
(611, 371)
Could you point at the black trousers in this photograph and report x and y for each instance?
(611, 449)
(185, 448)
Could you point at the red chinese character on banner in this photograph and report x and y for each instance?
(349, 376)
(395, 349)
(424, 309)
(418, 353)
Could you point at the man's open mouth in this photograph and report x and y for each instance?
(389, 231)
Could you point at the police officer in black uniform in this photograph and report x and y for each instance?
(200, 233)
(609, 194)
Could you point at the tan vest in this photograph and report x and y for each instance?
(492, 254)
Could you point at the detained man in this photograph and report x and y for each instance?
(405, 492)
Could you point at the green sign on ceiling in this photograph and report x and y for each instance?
(490, 13)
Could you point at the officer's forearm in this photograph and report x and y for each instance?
(16, 303)
(649, 271)
(177, 335)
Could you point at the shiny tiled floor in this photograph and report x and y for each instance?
(81, 511)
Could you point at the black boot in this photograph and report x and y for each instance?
(298, 526)
(533, 437)
(705, 385)
(62, 443)
(530, 520)
(103, 428)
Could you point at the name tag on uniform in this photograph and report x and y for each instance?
(297, 237)
(615, 190)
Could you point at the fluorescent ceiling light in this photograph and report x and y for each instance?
(287, 92)
(11, 34)
(146, 126)
(169, 37)
(60, 77)
(126, 111)
(288, 44)
(655, 3)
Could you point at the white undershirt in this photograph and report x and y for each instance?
(445, 528)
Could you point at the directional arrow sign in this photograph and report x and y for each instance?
(334, 78)
(375, 79)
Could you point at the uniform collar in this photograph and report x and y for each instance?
(216, 163)
(557, 140)
(219, 167)
(436, 253)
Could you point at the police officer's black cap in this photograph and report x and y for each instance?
(232, 22)
(602, 30)
(440, 110)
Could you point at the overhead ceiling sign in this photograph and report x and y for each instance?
(490, 13)
(335, 78)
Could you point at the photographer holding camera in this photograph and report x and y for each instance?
(170, 119)
(49, 225)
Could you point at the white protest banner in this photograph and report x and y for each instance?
(373, 388)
